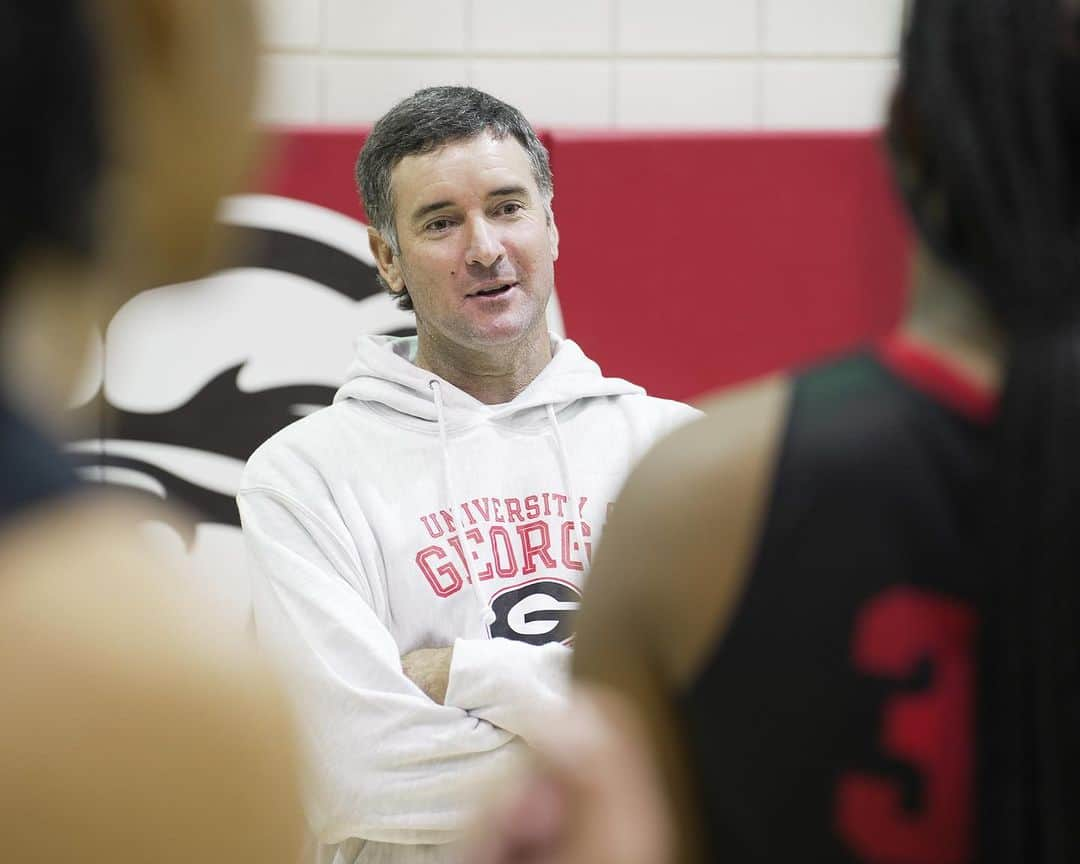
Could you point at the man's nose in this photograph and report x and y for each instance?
(485, 248)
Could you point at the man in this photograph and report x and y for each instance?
(418, 547)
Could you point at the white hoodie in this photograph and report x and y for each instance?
(408, 515)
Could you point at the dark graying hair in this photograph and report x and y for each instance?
(426, 121)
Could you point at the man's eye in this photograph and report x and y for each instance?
(510, 208)
(437, 225)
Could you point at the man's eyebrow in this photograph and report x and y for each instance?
(504, 191)
(501, 192)
(430, 208)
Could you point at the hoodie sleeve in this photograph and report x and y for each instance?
(515, 686)
(386, 763)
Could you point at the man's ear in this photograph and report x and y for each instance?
(387, 262)
(553, 239)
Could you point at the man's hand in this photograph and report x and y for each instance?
(593, 797)
(429, 669)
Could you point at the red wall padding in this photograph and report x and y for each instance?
(316, 165)
(688, 263)
(691, 262)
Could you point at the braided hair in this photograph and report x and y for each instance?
(51, 147)
(985, 134)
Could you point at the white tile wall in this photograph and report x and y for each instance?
(396, 27)
(551, 27)
(569, 93)
(692, 64)
(290, 90)
(688, 26)
(360, 91)
(839, 94)
(291, 24)
(831, 27)
(699, 94)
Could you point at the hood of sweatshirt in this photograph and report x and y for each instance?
(385, 379)
(383, 375)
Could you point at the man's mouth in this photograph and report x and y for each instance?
(494, 290)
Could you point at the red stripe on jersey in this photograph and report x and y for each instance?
(941, 379)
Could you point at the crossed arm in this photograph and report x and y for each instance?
(429, 669)
(400, 749)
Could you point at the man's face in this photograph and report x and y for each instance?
(477, 251)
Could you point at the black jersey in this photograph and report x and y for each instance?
(834, 720)
(31, 469)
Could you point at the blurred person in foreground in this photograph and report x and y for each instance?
(846, 602)
(132, 728)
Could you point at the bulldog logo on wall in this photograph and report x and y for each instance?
(191, 379)
(537, 612)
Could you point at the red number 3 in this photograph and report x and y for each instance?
(931, 729)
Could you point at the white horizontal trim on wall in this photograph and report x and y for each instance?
(608, 64)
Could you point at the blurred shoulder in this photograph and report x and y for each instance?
(680, 536)
(127, 703)
(82, 575)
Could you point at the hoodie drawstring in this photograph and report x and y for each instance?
(448, 485)
(451, 495)
(568, 481)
